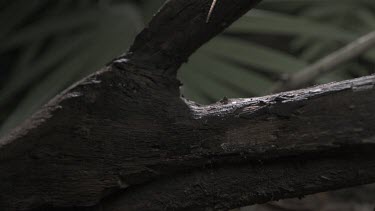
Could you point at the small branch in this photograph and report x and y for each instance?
(211, 10)
(309, 74)
(178, 30)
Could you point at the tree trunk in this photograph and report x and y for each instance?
(124, 139)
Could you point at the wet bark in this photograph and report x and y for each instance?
(124, 139)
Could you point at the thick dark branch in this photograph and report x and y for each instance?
(164, 154)
(123, 139)
(302, 120)
(179, 29)
(255, 150)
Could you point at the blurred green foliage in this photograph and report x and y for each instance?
(47, 45)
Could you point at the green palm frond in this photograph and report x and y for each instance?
(68, 41)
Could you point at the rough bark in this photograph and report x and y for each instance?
(359, 198)
(124, 139)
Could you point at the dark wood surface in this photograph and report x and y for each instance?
(124, 139)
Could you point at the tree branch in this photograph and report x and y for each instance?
(254, 150)
(309, 74)
(123, 139)
(178, 30)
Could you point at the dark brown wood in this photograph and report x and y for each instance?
(348, 199)
(178, 30)
(124, 139)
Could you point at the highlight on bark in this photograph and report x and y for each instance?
(211, 10)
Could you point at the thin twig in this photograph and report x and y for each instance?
(211, 10)
(327, 64)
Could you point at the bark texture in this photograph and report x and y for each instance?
(124, 139)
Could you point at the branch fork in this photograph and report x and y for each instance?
(124, 139)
